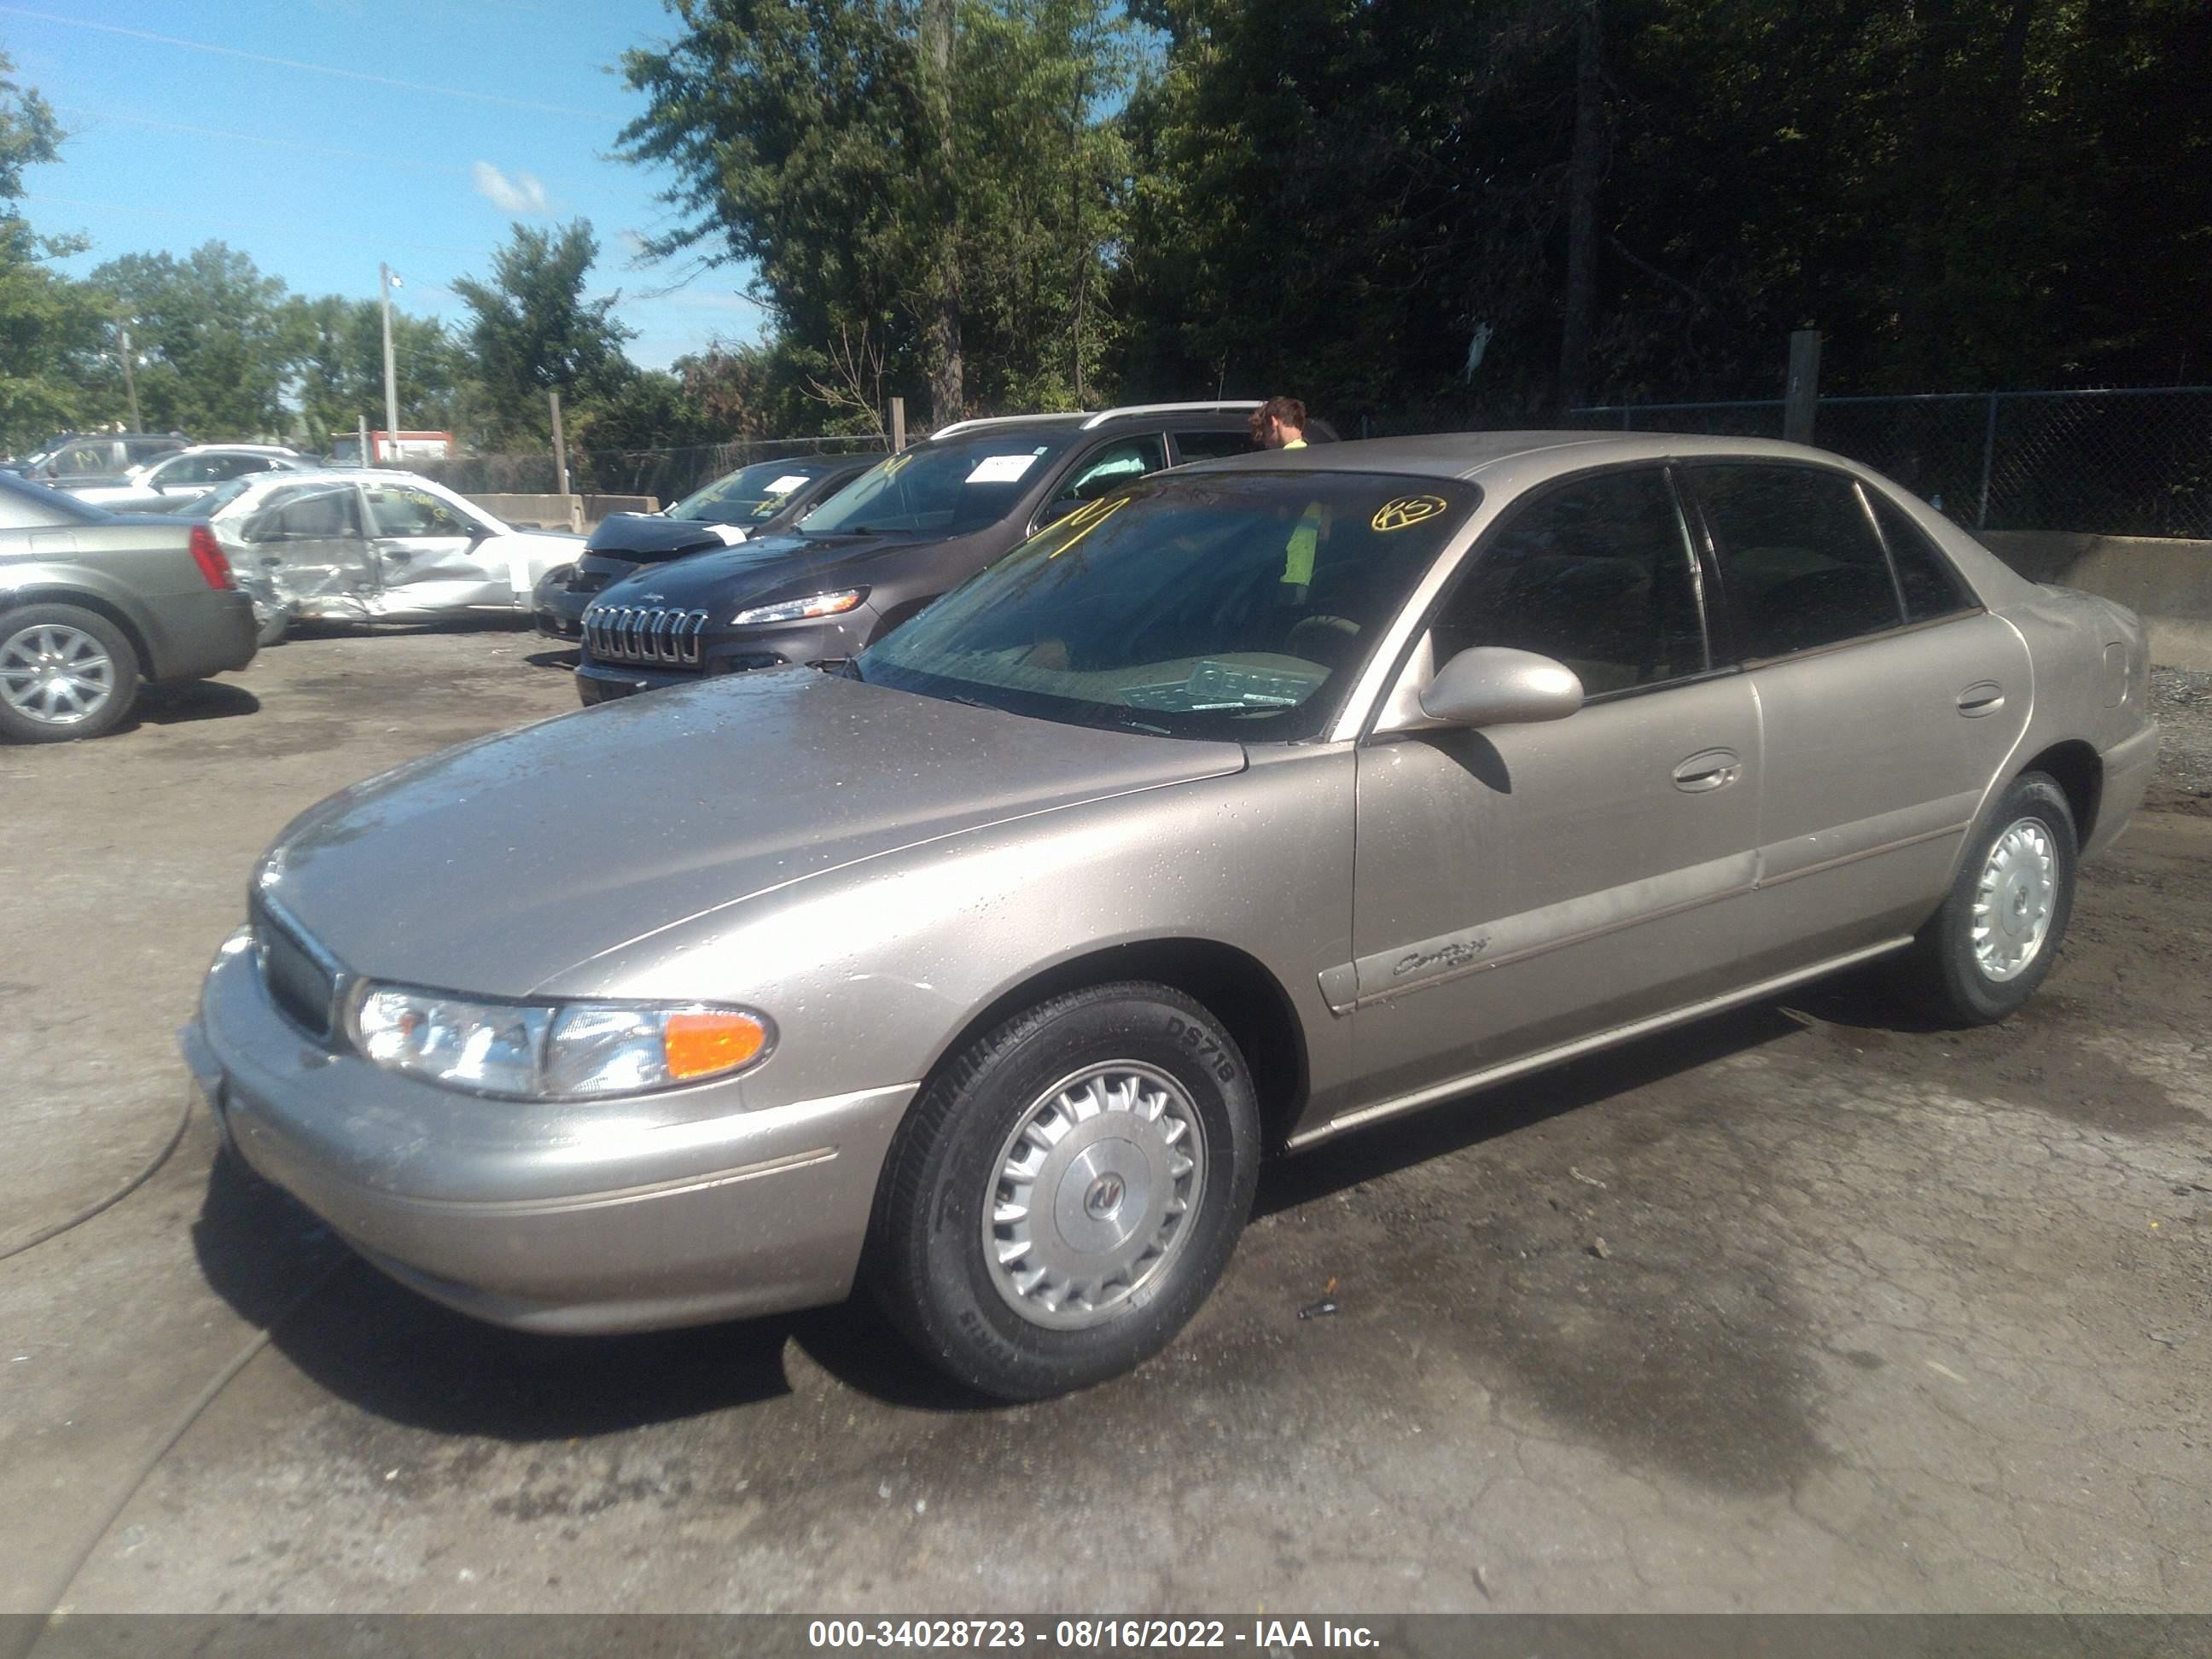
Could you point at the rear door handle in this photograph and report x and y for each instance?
(1709, 768)
(1983, 697)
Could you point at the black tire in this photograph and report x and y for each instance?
(926, 1256)
(70, 622)
(1944, 972)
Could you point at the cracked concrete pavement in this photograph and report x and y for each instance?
(1883, 1318)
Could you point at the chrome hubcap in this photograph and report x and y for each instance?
(1093, 1192)
(54, 674)
(2015, 899)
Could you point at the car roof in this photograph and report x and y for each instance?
(238, 449)
(1474, 454)
(1225, 414)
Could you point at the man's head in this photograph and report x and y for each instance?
(1278, 421)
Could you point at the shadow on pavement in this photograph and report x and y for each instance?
(559, 657)
(188, 700)
(1453, 1126)
(383, 1348)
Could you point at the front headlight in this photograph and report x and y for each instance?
(814, 604)
(553, 1051)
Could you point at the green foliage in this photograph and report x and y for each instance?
(207, 328)
(51, 328)
(1334, 197)
(336, 350)
(534, 332)
(801, 140)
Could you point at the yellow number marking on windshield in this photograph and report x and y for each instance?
(1407, 510)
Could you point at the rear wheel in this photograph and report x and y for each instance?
(1987, 950)
(1066, 1191)
(64, 672)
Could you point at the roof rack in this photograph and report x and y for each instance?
(996, 420)
(1101, 418)
(1106, 415)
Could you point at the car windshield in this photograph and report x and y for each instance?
(946, 487)
(751, 493)
(1235, 604)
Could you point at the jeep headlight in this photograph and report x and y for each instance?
(553, 1050)
(814, 604)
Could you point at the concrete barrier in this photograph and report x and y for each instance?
(553, 511)
(2168, 583)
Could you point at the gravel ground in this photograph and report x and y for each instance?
(1812, 1305)
(2182, 701)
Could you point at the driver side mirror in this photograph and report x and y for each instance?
(1498, 685)
(1055, 511)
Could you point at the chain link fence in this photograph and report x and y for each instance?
(2132, 462)
(668, 475)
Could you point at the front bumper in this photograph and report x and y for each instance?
(673, 1209)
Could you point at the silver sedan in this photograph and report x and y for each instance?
(1271, 798)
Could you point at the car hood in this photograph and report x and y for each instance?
(647, 538)
(493, 867)
(765, 565)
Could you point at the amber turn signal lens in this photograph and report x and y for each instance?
(702, 1044)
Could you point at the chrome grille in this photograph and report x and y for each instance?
(646, 633)
(301, 987)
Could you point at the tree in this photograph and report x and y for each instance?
(939, 183)
(208, 327)
(51, 330)
(335, 349)
(534, 331)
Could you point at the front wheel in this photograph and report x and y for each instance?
(1984, 952)
(1067, 1193)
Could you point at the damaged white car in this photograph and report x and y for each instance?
(371, 546)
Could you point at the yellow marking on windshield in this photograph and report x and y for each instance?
(891, 467)
(1407, 510)
(1098, 512)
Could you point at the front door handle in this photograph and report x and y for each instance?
(1709, 768)
(1983, 697)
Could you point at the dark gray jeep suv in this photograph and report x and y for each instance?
(914, 526)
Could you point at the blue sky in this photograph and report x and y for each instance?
(410, 157)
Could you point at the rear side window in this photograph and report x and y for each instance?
(1798, 556)
(1596, 575)
(1213, 445)
(1925, 576)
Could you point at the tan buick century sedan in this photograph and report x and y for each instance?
(1271, 798)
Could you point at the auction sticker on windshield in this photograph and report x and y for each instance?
(1000, 469)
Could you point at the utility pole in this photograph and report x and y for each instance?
(1801, 391)
(561, 463)
(130, 381)
(386, 281)
(898, 425)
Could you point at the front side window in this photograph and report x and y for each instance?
(1598, 575)
(1106, 470)
(946, 487)
(1798, 556)
(398, 512)
(1167, 608)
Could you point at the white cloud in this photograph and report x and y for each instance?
(520, 194)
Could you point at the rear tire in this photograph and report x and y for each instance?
(1067, 1191)
(1984, 952)
(65, 673)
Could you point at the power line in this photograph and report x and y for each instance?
(311, 69)
(275, 144)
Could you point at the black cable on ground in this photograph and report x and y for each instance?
(114, 1197)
